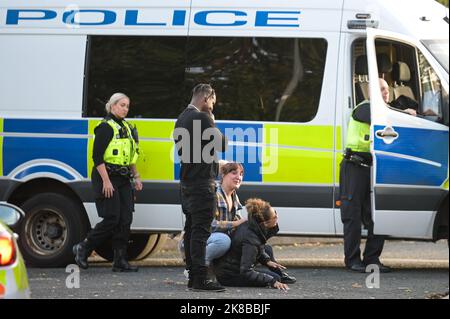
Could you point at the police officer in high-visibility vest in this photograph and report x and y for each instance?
(115, 154)
(355, 191)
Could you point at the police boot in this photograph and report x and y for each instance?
(82, 252)
(120, 263)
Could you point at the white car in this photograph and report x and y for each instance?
(13, 274)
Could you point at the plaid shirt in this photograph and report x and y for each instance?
(223, 215)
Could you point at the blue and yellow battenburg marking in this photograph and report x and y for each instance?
(270, 152)
(280, 153)
(64, 141)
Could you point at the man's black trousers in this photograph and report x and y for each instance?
(198, 202)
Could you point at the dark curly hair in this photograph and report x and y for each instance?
(258, 209)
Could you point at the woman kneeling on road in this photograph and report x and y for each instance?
(248, 247)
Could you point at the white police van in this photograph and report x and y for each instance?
(287, 75)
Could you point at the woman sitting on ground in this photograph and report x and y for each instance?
(248, 248)
(228, 214)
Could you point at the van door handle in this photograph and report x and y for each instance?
(388, 134)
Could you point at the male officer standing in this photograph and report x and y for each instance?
(355, 190)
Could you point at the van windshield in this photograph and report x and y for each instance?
(439, 49)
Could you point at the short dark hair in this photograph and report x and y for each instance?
(203, 89)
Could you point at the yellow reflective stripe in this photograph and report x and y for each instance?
(339, 138)
(1, 148)
(290, 156)
(285, 165)
(90, 162)
(301, 135)
(155, 160)
(20, 275)
(445, 184)
(154, 129)
(3, 277)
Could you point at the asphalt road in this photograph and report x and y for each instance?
(99, 282)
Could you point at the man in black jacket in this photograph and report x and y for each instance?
(197, 141)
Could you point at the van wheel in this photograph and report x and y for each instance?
(154, 248)
(137, 244)
(53, 223)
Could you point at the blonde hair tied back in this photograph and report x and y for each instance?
(116, 97)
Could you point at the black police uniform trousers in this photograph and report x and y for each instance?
(355, 211)
(198, 201)
(116, 211)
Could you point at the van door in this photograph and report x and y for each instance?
(410, 171)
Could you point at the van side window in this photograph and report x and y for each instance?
(148, 69)
(434, 101)
(256, 79)
(260, 79)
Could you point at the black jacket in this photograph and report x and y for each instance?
(196, 166)
(247, 250)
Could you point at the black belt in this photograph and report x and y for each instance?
(357, 159)
(118, 170)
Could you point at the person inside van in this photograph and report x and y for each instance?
(402, 103)
(249, 247)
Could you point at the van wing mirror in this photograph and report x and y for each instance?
(10, 214)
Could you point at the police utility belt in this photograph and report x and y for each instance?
(355, 158)
(124, 171)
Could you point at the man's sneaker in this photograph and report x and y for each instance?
(357, 267)
(207, 285)
(382, 268)
(186, 273)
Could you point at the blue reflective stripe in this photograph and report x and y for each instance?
(427, 144)
(44, 169)
(248, 156)
(20, 150)
(430, 145)
(394, 170)
(45, 126)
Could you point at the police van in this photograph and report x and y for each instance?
(287, 75)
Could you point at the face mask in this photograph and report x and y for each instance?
(272, 231)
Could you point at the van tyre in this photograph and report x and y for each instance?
(53, 224)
